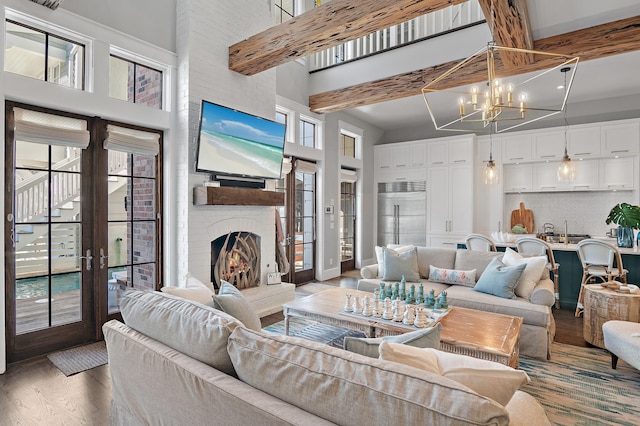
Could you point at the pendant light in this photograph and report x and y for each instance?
(567, 169)
(491, 171)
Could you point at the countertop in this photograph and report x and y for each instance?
(573, 247)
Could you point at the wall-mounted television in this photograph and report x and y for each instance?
(236, 143)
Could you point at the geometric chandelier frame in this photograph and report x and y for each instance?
(499, 103)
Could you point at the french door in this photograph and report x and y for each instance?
(298, 217)
(61, 266)
(347, 226)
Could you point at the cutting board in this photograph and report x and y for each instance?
(523, 217)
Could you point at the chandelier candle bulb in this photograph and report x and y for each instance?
(461, 102)
(474, 96)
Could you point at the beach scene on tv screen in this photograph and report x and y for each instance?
(238, 143)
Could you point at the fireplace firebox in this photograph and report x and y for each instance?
(235, 258)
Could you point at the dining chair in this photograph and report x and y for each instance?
(598, 259)
(479, 242)
(537, 247)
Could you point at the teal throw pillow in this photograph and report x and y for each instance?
(423, 338)
(397, 265)
(499, 279)
(231, 301)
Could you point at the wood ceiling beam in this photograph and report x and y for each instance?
(597, 42)
(326, 26)
(511, 28)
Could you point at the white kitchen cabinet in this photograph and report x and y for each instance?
(617, 173)
(583, 142)
(518, 177)
(587, 175)
(384, 157)
(486, 145)
(444, 242)
(548, 146)
(401, 175)
(545, 177)
(488, 201)
(417, 154)
(450, 200)
(400, 155)
(516, 148)
(450, 151)
(621, 138)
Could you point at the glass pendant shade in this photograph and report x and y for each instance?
(490, 173)
(566, 170)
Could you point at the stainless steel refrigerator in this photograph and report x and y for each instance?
(402, 213)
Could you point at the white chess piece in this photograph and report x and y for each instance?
(357, 307)
(367, 308)
(388, 310)
(398, 312)
(421, 318)
(347, 304)
(409, 317)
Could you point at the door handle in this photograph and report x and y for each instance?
(88, 258)
(102, 258)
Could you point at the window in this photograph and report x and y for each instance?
(307, 134)
(38, 54)
(135, 83)
(347, 146)
(281, 117)
(285, 10)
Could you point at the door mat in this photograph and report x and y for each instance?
(75, 360)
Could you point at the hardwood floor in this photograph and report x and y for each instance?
(34, 392)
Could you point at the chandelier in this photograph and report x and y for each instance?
(566, 169)
(490, 173)
(500, 102)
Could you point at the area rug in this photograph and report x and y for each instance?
(576, 387)
(75, 360)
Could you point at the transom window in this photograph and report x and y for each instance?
(135, 83)
(347, 146)
(38, 54)
(307, 134)
(285, 10)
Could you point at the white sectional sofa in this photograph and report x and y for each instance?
(538, 329)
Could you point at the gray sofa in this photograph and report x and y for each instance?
(538, 329)
(179, 362)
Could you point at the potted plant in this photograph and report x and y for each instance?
(627, 217)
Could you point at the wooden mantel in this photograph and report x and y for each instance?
(214, 195)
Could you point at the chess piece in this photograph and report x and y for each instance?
(436, 305)
(388, 293)
(411, 298)
(388, 312)
(397, 314)
(396, 291)
(347, 304)
(430, 300)
(444, 303)
(403, 289)
(367, 309)
(382, 292)
(421, 318)
(357, 307)
(409, 316)
(376, 311)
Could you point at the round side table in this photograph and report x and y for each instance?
(602, 305)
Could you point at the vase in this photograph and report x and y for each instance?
(625, 236)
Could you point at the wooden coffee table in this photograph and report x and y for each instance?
(484, 335)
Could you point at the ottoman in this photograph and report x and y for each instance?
(622, 339)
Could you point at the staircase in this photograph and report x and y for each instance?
(32, 249)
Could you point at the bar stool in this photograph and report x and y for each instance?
(598, 258)
(537, 247)
(479, 242)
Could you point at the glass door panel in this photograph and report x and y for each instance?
(347, 225)
(304, 227)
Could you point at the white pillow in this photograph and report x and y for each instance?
(231, 301)
(195, 290)
(531, 274)
(380, 258)
(491, 379)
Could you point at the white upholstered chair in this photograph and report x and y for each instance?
(479, 242)
(537, 247)
(622, 339)
(598, 259)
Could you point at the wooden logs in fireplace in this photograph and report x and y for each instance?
(240, 263)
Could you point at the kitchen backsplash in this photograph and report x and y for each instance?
(585, 212)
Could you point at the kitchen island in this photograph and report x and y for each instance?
(571, 270)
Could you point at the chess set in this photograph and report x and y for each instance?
(393, 303)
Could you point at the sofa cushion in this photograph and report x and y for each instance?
(380, 259)
(199, 331)
(534, 266)
(398, 265)
(499, 280)
(491, 379)
(425, 338)
(532, 314)
(474, 259)
(330, 382)
(438, 257)
(452, 276)
(194, 290)
(230, 300)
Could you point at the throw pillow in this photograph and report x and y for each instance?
(452, 276)
(194, 290)
(491, 379)
(380, 258)
(473, 259)
(425, 338)
(534, 266)
(397, 265)
(499, 279)
(231, 301)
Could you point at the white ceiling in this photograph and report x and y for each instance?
(607, 87)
